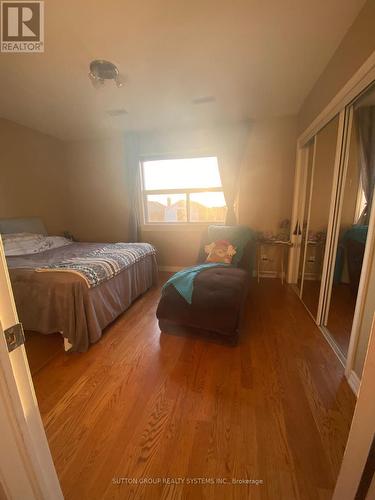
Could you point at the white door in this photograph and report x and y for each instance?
(361, 433)
(27, 471)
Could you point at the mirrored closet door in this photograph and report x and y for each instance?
(353, 221)
(335, 193)
(320, 197)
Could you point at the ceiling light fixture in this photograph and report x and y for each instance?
(101, 70)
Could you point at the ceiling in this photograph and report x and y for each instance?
(257, 59)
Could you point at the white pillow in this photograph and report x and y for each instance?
(51, 242)
(19, 236)
(21, 243)
(27, 243)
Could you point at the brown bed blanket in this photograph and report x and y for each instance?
(62, 302)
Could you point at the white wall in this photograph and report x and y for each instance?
(97, 192)
(33, 176)
(267, 174)
(356, 46)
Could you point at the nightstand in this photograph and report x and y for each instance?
(282, 251)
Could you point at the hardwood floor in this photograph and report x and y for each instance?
(275, 408)
(41, 349)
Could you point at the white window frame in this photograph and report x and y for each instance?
(146, 224)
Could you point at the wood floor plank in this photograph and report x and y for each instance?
(150, 415)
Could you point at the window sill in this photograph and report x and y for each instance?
(192, 226)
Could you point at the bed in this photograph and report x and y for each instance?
(57, 290)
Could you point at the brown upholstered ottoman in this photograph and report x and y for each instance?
(217, 304)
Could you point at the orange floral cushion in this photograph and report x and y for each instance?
(220, 251)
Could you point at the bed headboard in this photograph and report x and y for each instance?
(22, 225)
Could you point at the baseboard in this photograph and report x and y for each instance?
(170, 269)
(354, 382)
(268, 274)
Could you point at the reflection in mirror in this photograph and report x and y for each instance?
(301, 229)
(354, 220)
(322, 181)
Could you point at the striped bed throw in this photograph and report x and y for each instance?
(103, 263)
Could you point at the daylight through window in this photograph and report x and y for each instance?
(182, 190)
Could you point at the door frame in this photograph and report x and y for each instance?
(299, 195)
(300, 189)
(341, 103)
(361, 431)
(26, 465)
(368, 257)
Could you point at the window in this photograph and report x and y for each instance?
(361, 203)
(182, 190)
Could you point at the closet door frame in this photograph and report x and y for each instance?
(368, 257)
(341, 103)
(337, 169)
(295, 250)
(300, 205)
(341, 166)
(303, 251)
(331, 214)
(337, 215)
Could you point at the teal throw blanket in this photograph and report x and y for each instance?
(183, 281)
